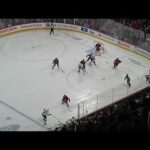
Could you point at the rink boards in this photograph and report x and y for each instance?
(80, 29)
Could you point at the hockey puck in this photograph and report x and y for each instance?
(103, 79)
(8, 118)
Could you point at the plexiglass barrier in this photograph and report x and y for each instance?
(108, 97)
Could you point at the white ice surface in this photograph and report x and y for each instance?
(28, 84)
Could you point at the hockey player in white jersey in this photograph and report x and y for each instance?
(45, 113)
(92, 58)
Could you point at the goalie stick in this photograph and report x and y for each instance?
(62, 70)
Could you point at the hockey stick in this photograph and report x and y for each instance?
(62, 70)
(85, 71)
(49, 114)
(68, 108)
(54, 117)
(59, 69)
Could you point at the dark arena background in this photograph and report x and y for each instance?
(86, 88)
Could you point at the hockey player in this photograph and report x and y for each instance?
(83, 62)
(98, 46)
(116, 62)
(147, 78)
(82, 66)
(128, 80)
(65, 100)
(51, 28)
(55, 62)
(91, 57)
(44, 114)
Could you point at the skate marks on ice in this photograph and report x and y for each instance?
(61, 41)
(74, 71)
(33, 50)
(74, 78)
(72, 36)
(45, 67)
(56, 71)
(120, 69)
(136, 62)
(67, 108)
(79, 81)
(83, 43)
(62, 70)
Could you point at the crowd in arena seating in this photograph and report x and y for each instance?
(131, 114)
(138, 37)
(140, 24)
(4, 23)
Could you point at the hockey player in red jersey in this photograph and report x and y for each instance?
(82, 66)
(55, 62)
(116, 62)
(65, 100)
(91, 57)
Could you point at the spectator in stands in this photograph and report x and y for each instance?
(148, 121)
(129, 115)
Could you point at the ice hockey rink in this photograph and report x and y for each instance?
(28, 84)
